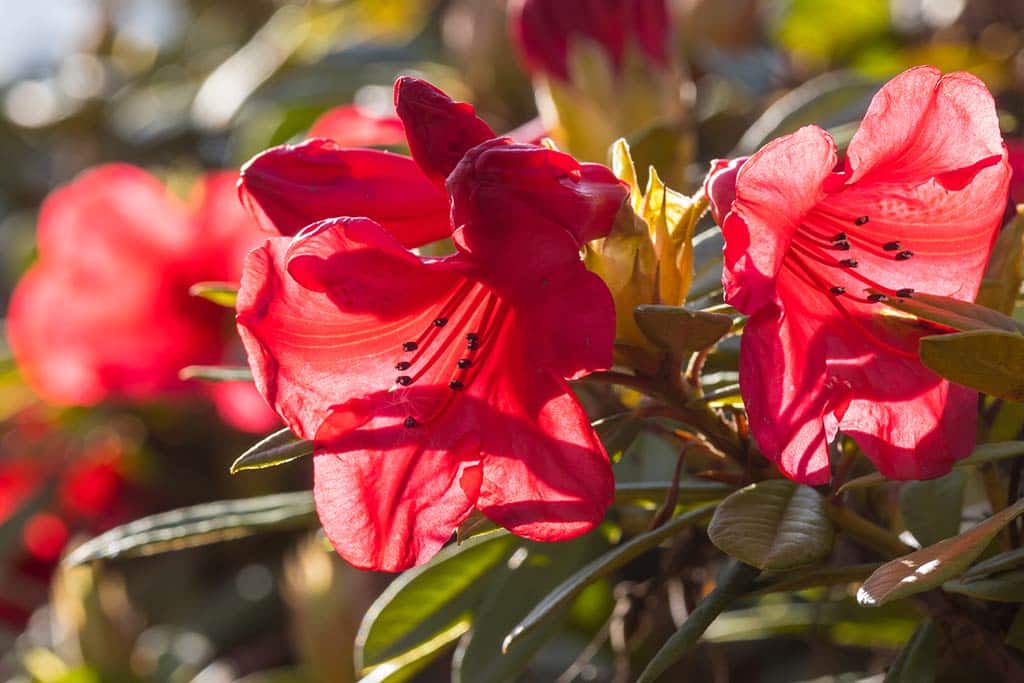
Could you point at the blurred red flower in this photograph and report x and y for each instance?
(64, 487)
(433, 386)
(352, 126)
(811, 252)
(545, 29)
(106, 313)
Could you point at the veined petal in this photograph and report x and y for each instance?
(908, 421)
(920, 236)
(924, 125)
(388, 496)
(439, 129)
(545, 474)
(288, 187)
(324, 317)
(775, 188)
(352, 126)
(793, 404)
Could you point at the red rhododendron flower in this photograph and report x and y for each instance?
(811, 252)
(433, 386)
(545, 29)
(106, 313)
(352, 126)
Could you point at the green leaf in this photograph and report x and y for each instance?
(735, 581)
(828, 100)
(216, 373)
(991, 362)
(429, 600)
(960, 315)
(813, 577)
(198, 525)
(773, 525)
(409, 663)
(982, 453)
(932, 566)
(931, 509)
(1011, 559)
(1005, 270)
(1006, 587)
(221, 293)
(533, 572)
(276, 449)
(676, 328)
(917, 661)
(569, 589)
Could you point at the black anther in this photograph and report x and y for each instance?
(410, 346)
(862, 220)
(904, 293)
(874, 298)
(410, 422)
(440, 322)
(455, 384)
(404, 380)
(464, 363)
(848, 263)
(403, 365)
(837, 290)
(904, 255)
(891, 246)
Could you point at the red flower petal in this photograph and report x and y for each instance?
(387, 497)
(809, 254)
(289, 187)
(509, 192)
(545, 473)
(353, 126)
(323, 318)
(439, 129)
(240, 405)
(774, 189)
(924, 125)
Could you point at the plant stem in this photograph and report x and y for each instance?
(867, 533)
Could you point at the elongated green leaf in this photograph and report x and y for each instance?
(1005, 269)
(773, 525)
(676, 328)
(566, 591)
(961, 315)
(1005, 587)
(989, 361)
(982, 453)
(735, 581)
(217, 373)
(534, 571)
(1003, 562)
(429, 600)
(221, 293)
(813, 577)
(917, 661)
(931, 509)
(276, 449)
(827, 100)
(406, 665)
(932, 566)
(199, 525)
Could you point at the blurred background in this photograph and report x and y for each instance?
(179, 87)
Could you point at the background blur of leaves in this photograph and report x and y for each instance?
(181, 85)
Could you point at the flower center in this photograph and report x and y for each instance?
(454, 346)
(824, 254)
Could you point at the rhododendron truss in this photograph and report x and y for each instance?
(435, 386)
(106, 313)
(813, 251)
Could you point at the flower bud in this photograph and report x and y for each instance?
(720, 186)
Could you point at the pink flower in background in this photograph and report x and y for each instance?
(811, 252)
(105, 313)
